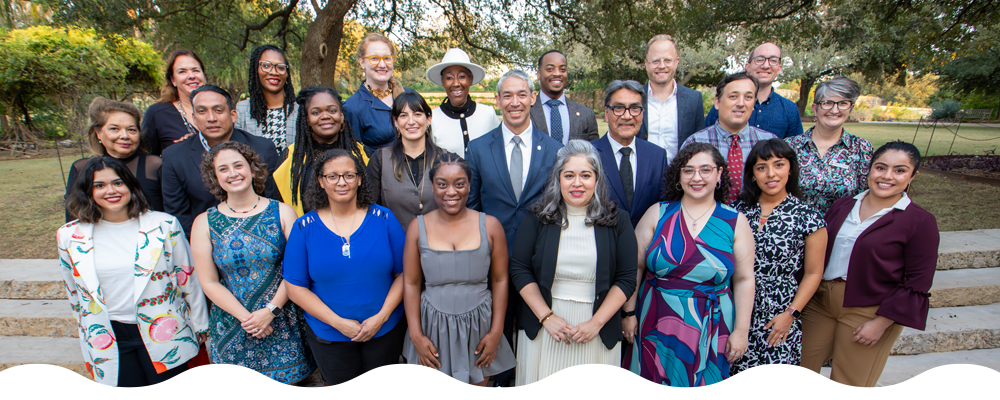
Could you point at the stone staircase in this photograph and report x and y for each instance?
(963, 327)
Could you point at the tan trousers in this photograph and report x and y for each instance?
(827, 331)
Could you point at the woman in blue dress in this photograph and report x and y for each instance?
(238, 249)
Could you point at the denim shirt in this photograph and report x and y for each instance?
(776, 114)
(370, 119)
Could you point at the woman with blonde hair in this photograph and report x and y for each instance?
(368, 108)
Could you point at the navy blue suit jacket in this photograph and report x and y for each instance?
(491, 190)
(690, 114)
(650, 163)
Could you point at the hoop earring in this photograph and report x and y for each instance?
(718, 184)
(679, 187)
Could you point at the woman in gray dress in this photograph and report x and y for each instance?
(456, 323)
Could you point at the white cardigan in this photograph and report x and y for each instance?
(448, 132)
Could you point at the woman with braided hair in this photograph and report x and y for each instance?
(270, 110)
(320, 126)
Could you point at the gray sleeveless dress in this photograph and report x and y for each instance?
(456, 308)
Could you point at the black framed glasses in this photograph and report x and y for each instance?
(773, 60)
(266, 66)
(332, 179)
(618, 111)
(841, 105)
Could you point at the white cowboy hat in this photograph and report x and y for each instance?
(455, 57)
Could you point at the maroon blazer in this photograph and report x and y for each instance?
(892, 264)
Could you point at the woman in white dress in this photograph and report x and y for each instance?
(574, 264)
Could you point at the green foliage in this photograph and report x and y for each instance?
(946, 109)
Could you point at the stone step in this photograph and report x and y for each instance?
(23, 317)
(965, 369)
(20, 350)
(965, 287)
(953, 329)
(969, 249)
(31, 279)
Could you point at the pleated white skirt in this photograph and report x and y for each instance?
(539, 358)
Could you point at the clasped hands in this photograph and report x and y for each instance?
(258, 323)
(562, 331)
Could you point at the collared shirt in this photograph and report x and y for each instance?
(508, 146)
(563, 113)
(632, 158)
(719, 137)
(842, 171)
(663, 123)
(775, 114)
(843, 246)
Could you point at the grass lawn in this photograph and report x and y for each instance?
(31, 206)
(882, 132)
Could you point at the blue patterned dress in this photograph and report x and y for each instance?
(684, 308)
(248, 253)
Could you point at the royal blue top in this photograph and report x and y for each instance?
(353, 287)
(370, 119)
(777, 115)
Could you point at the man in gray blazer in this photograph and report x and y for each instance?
(672, 112)
(554, 114)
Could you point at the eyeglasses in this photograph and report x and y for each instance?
(689, 172)
(661, 61)
(332, 179)
(841, 105)
(374, 60)
(773, 60)
(279, 68)
(618, 111)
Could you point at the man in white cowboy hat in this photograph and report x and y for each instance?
(459, 119)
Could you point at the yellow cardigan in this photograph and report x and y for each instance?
(283, 178)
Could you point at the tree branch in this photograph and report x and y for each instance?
(285, 14)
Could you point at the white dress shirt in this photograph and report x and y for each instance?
(508, 147)
(662, 127)
(563, 113)
(632, 158)
(843, 245)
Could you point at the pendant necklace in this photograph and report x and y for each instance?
(420, 196)
(694, 221)
(346, 248)
(243, 212)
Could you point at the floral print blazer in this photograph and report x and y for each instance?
(170, 305)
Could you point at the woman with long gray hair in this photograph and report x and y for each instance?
(574, 264)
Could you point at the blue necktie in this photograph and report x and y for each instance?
(555, 120)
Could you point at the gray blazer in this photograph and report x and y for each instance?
(582, 121)
(690, 114)
(244, 122)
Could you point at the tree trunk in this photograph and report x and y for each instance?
(806, 87)
(322, 43)
(685, 78)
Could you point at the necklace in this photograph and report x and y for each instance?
(243, 212)
(346, 248)
(180, 107)
(380, 93)
(420, 197)
(694, 221)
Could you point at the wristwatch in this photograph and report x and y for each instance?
(275, 310)
(626, 314)
(795, 313)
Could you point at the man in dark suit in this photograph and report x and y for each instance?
(634, 167)
(671, 112)
(184, 193)
(554, 114)
(510, 166)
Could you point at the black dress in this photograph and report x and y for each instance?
(145, 167)
(162, 125)
(780, 246)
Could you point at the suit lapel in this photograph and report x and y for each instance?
(550, 239)
(883, 221)
(81, 254)
(644, 167)
(601, 234)
(500, 159)
(611, 167)
(538, 151)
(538, 116)
(148, 250)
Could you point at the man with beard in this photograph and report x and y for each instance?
(671, 112)
(552, 113)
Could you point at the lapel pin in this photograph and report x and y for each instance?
(539, 147)
(578, 114)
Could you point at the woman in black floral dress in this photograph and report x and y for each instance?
(790, 238)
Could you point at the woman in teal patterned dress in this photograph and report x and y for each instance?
(238, 249)
(696, 277)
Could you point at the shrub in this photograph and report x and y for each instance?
(945, 109)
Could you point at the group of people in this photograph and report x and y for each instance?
(293, 232)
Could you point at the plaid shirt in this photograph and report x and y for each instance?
(719, 137)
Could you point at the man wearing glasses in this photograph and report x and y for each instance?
(771, 112)
(634, 166)
(672, 112)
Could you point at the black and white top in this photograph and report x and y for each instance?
(780, 246)
(274, 129)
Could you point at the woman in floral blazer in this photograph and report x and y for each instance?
(140, 310)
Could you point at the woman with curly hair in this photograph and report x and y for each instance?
(238, 248)
(692, 313)
(271, 109)
(343, 265)
(321, 126)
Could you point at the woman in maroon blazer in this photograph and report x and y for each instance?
(880, 263)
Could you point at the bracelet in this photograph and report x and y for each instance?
(547, 316)
(626, 314)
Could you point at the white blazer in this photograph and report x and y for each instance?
(170, 305)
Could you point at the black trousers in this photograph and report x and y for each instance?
(135, 368)
(340, 362)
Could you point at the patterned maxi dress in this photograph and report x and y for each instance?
(248, 253)
(684, 308)
(780, 253)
